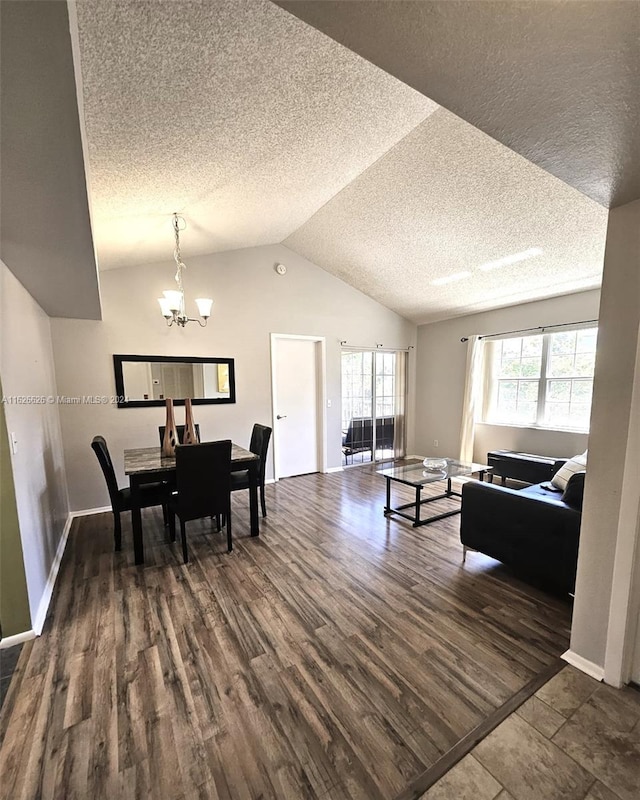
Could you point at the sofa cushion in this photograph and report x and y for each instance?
(544, 492)
(574, 492)
(575, 464)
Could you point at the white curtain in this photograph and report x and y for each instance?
(400, 405)
(472, 396)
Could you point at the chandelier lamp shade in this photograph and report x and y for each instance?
(172, 302)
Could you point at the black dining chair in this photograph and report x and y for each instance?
(151, 494)
(180, 430)
(259, 445)
(203, 481)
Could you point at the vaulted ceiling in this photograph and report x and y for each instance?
(392, 143)
(558, 82)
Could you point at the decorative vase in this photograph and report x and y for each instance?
(170, 433)
(190, 436)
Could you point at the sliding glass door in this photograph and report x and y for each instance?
(373, 405)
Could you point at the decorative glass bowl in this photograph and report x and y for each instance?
(435, 464)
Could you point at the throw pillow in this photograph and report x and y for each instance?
(574, 492)
(575, 464)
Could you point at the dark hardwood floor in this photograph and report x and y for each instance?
(338, 656)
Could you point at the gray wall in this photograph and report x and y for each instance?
(250, 302)
(26, 369)
(44, 208)
(441, 374)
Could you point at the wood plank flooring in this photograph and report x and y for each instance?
(336, 657)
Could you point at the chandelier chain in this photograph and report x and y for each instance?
(172, 304)
(180, 265)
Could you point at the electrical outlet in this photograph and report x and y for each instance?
(328, 403)
(435, 442)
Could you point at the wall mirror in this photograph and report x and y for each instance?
(150, 380)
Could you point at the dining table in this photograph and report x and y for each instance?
(148, 465)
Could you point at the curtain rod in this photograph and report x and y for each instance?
(525, 330)
(345, 343)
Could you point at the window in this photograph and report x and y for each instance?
(544, 380)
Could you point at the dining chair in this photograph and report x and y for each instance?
(203, 481)
(180, 430)
(259, 445)
(151, 494)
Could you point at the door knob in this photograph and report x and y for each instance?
(281, 416)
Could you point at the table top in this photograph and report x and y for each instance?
(150, 459)
(419, 475)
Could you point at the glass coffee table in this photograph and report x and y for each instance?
(418, 476)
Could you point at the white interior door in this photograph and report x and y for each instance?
(297, 404)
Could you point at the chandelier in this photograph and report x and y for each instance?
(172, 304)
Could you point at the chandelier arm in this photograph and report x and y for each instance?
(179, 316)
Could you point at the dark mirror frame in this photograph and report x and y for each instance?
(200, 401)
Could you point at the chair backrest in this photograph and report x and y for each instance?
(384, 432)
(100, 448)
(260, 436)
(203, 478)
(180, 429)
(359, 434)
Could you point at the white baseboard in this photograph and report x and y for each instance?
(43, 607)
(17, 638)
(88, 511)
(594, 670)
(334, 469)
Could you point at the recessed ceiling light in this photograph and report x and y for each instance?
(457, 276)
(514, 259)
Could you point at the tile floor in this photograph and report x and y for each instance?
(575, 739)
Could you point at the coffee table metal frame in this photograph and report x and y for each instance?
(416, 476)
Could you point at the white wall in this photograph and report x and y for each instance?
(26, 367)
(251, 302)
(441, 373)
(559, 444)
(615, 375)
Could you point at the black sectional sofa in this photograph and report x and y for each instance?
(534, 530)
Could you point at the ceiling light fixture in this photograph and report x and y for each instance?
(514, 259)
(457, 276)
(172, 304)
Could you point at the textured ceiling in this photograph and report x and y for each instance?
(447, 200)
(556, 81)
(260, 129)
(233, 112)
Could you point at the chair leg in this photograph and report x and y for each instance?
(218, 522)
(229, 537)
(262, 500)
(172, 525)
(165, 514)
(117, 530)
(183, 534)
